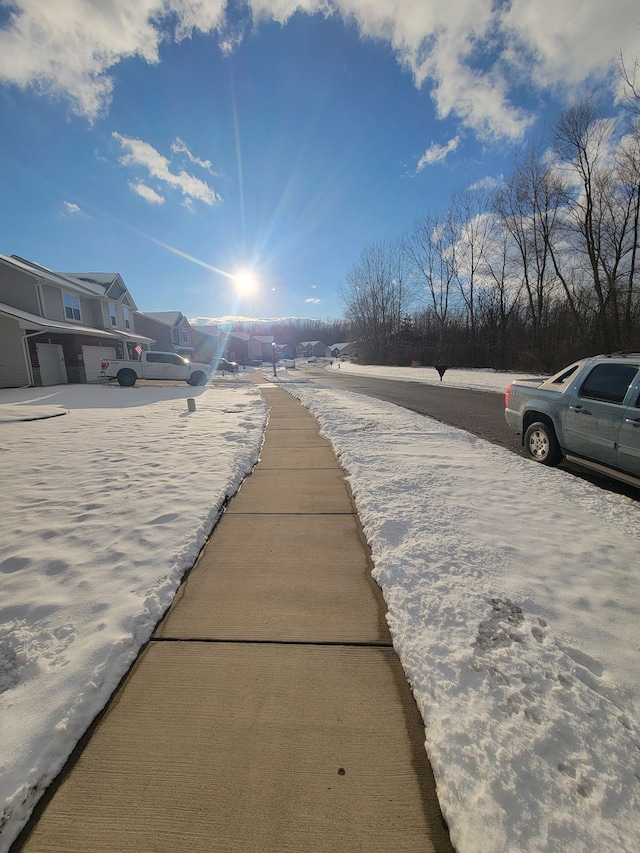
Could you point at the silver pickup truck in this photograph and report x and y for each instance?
(588, 413)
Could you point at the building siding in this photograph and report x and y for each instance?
(53, 306)
(160, 332)
(13, 369)
(91, 313)
(18, 289)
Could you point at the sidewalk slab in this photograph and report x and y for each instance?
(243, 748)
(293, 417)
(291, 491)
(292, 580)
(295, 438)
(286, 456)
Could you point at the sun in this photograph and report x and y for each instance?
(245, 282)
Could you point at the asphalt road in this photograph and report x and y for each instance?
(478, 412)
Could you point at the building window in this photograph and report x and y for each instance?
(127, 318)
(112, 315)
(71, 306)
(184, 336)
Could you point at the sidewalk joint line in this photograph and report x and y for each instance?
(364, 644)
(310, 512)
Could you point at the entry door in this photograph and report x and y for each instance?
(53, 370)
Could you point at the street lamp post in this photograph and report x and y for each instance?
(273, 349)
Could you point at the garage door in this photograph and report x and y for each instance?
(93, 357)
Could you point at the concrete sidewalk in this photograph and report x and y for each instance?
(269, 712)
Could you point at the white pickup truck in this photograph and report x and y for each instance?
(156, 365)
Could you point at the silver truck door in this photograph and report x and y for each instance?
(629, 438)
(595, 412)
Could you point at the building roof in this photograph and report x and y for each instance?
(101, 280)
(211, 331)
(108, 284)
(49, 276)
(41, 324)
(170, 318)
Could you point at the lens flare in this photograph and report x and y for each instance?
(245, 282)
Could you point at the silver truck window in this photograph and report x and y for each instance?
(561, 378)
(609, 382)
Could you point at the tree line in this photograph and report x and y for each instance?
(529, 274)
(295, 330)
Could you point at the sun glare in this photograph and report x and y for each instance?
(245, 282)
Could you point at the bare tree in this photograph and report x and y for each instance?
(470, 235)
(500, 298)
(628, 159)
(377, 295)
(630, 77)
(431, 268)
(530, 205)
(603, 206)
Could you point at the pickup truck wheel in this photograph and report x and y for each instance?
(127, 377)
(541, 444)
(197, 378)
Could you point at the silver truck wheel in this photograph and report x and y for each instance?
(541, 444)
(127, 377)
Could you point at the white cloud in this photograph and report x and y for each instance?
(179, 147)
(471, 53)
(232, 319)
(313, 301)
(437, 153)
(486, 183)
(147, 193)
(573, 39)
(67, 47)
(72, 209)
(140, 154)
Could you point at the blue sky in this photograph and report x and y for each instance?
(177, 143)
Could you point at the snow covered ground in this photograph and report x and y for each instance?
(512, 589)
(479, 380)
(104, 508)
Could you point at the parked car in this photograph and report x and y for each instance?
(222, 365)
(312, 360)
(155, 365)
(588, 413)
